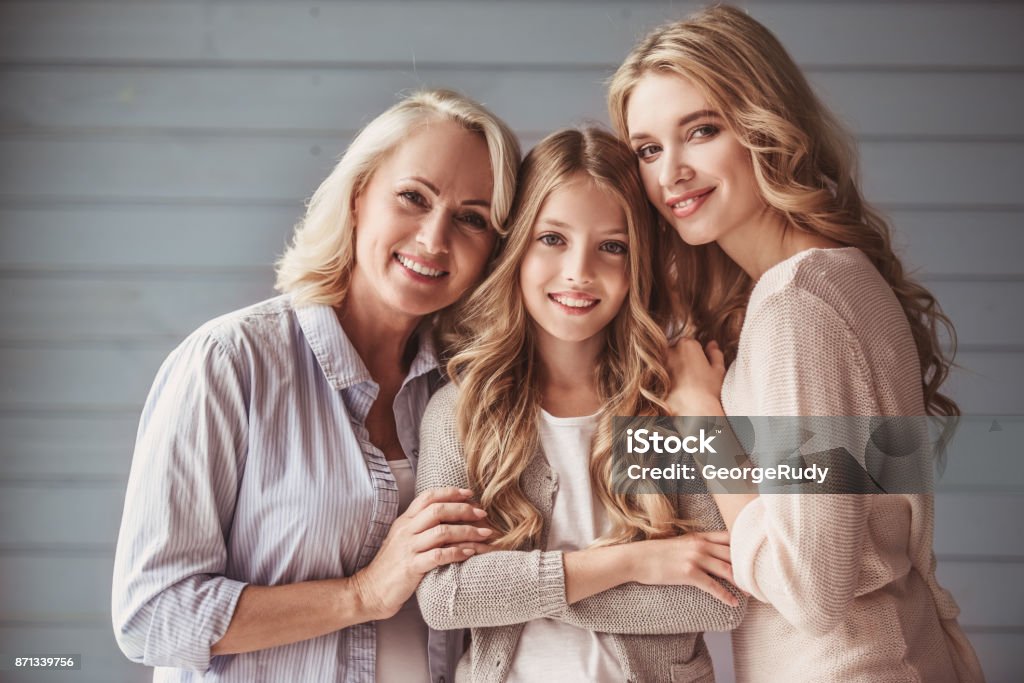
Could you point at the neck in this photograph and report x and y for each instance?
(566, 374)
(767, 241)
(381, 341)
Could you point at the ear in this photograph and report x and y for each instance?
(354, 203)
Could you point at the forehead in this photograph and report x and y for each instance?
(452, 158)
(658, 97)
(581, 203)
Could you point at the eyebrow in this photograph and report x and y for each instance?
(555, 223)
(689, 118)
(433, 188)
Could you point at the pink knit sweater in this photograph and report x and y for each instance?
(844, 586)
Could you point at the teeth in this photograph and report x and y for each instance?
(574, 303)
(685, 203)
(416, 267)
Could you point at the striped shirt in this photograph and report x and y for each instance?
(253, 465)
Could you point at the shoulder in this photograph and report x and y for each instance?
(256, 325)
(442, 404)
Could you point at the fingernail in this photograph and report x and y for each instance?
(483, 531)
(479, 512)
(468, 551)
(466, 492)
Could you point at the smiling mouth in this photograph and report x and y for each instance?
(575, 303)
(419, 268)
(686, 203)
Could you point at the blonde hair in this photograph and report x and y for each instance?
(805, 165)
(496, 365)
(317, 266)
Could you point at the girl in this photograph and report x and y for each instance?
(557, 341)
(753, 173)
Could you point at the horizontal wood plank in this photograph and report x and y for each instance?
(286, 169)
(892, 105)
(600, 33)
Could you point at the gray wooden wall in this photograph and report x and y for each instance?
(154, 156)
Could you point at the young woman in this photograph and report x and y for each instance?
(559, 339)
(269, 531)
(753, 173)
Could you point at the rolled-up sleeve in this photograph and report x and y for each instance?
(171, 601)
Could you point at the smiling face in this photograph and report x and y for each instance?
(423, 232)
(574, 275)
(694, 169)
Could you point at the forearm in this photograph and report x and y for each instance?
(604, 595)
(636, 608)
(595, 570)
(270, 616)
(498, 588)
(730, 505)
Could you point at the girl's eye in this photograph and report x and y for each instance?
(705, 131)
(551, 240)
(647, 151)
(474, 220)
(413, 197)
(617, 248)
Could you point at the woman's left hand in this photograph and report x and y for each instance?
(697, 375)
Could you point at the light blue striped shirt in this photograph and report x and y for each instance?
(253, 465)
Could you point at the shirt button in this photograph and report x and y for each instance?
(416, 454)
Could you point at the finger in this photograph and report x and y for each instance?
(715, 355)
(437, 496)
(441, 513)
(716, 590)
(477, 548)
(448, 534)
(721, 537)
(436, 557)
(717, 551)
(717, 567)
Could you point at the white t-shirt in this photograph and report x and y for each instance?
(402, 639)
(550, 650)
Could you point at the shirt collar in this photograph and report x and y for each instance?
(339, 360)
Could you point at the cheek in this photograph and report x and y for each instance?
(473, 252)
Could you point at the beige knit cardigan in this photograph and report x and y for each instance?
(496, 593)
(843, 586)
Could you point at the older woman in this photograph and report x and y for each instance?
(263, 535)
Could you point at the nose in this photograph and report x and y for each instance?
(433, 233)
(578, 265)
(674, 169)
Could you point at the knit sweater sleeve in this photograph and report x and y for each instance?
(800, 552)
(493, 589)
(636, 608)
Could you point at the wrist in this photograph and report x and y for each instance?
(357, 598)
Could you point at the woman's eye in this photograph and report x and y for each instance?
(550, 240)
(647, 151)
(705, 131)
(413, 197)
(617, 248)
(474, 220)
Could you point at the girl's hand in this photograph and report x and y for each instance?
(691, 560)
(437, 529)
(697, 376)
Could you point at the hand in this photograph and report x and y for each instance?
(697, 375)
(693, 559)
(436, 529)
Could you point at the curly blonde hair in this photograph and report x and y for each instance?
(805, 165)
(496, 367)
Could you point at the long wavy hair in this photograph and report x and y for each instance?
(317, 265)
(805, 165)
(496, 363)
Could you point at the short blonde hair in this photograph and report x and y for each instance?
(317, 265)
